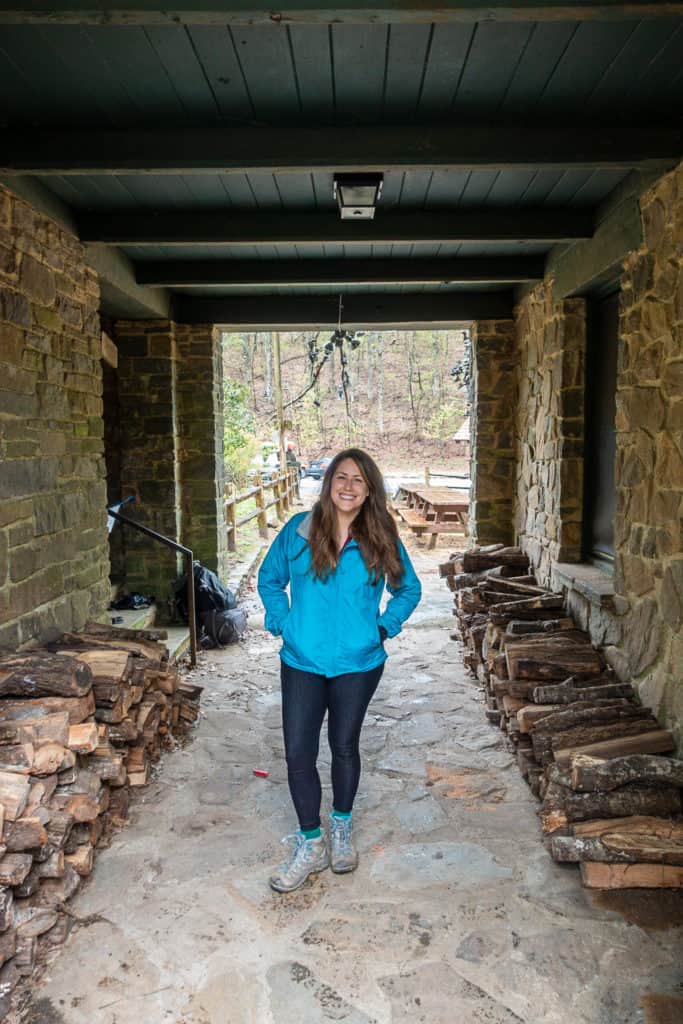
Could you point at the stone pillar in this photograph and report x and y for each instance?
(201, 460)
(149, 451)
(53, 540)
(649, 466)
(551, 338)
(492, 458)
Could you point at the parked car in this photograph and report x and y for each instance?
(318, 467)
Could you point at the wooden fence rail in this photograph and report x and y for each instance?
(285, 487)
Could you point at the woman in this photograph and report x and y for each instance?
(336, 560)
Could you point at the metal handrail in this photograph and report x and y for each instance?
(189, 573)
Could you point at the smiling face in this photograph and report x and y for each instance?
(348, 489)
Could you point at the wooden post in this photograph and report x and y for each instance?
(277, 367)
(277, 494)
(191, 610)
(231, 522)
(262, 516)
(285, 479)
(427, 476)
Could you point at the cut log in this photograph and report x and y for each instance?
(475, 561)
(562, 808)
(43, 675)
(581, 713)
(14, 868)
(107, 665)
(16, 757)
(77, 708)
(584, 735)
(524, 627)
(118, 808)
(8, 946)
(526, 608)
(24, 834)
(82, 806)
(83, 739)
(40, 793)
(53, 866)
(82, 860)
(520, 586)
(529, 715)
(568, 692)
(31, 919)
(50, 758)
(617, 848)
(659, 741)
(30, 884)
(25, 956)
(640, 825)
(591, 773)
(123, 733)
(55, 891)
(552, 659)
(59, 828)
(6, 908)
(167, 682)
(631, 876)
(14, 791)
(46, 729)
(606, 726)
(139, 778)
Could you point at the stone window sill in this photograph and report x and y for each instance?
(595, 585)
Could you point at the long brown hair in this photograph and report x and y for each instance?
(373, 529)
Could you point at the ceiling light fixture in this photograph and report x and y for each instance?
(357, 195)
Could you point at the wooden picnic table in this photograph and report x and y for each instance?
(434, 509)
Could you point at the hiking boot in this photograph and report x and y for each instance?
(308, 856)
(343, 854)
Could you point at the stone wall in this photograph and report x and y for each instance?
(649, 466)
(492, 455)
(637, 614)
(202, 464)
(53, 541)
(171, 449)
(147, 386)
(551, 338)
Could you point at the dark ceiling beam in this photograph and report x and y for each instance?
(393, 227)
(298, 312)
(456, 146)
(250, 12)
(274, 273)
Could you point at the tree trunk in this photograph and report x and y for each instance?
(380, 386)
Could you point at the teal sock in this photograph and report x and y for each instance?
(311, 833)
(341, 814)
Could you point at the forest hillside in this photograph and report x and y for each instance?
(390, 392)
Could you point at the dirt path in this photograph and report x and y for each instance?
(456, 913)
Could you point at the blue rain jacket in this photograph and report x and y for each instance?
(330, 627)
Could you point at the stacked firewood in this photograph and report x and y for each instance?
(80, 724)
(588, 750)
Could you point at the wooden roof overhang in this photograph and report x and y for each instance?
(193, 148)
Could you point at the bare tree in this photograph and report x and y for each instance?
(267, 366)
(380, 384)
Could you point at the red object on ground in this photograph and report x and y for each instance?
(261, 772)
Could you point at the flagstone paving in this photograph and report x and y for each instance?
(455, 914)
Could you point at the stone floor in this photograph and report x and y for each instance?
(456, 912)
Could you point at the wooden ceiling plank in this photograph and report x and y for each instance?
(482, 145)
(272, 228)
(374, 271)
(253, 12)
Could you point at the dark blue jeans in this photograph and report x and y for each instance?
(305, 699)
